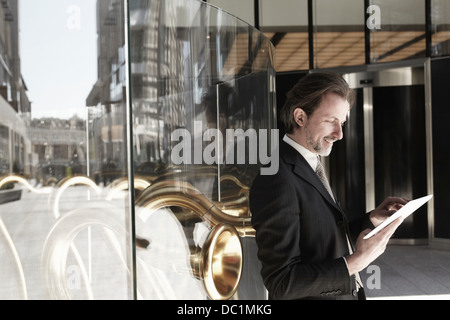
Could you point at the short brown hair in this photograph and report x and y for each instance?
(308, 92)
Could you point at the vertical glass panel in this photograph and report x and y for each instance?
(198, 74)
(400, 34)
(338, 33)
(64, 215)
(288, 31)
(440, 20)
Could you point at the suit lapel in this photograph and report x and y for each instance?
(304, 171)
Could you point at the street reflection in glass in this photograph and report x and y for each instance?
(86, 144)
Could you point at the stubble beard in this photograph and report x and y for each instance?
(317, 145)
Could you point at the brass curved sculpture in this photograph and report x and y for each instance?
(219, 263)
(122, 184)
(66, 183)
(168, 193)
(59, 243)
(11, 249)
(18, 179)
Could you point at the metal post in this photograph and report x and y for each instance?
(366, 33)
(428, 28)
(369, 148)
(311, 34)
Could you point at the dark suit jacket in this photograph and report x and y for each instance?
(300, 233)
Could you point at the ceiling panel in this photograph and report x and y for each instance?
(334, 49)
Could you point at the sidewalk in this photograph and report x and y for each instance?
(409, 272)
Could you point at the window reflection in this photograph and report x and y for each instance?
(59, 148)
(65, 146)
(194, 69)
(64, 228)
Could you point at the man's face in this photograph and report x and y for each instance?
(324, 126)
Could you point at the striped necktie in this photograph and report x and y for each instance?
(320, 171)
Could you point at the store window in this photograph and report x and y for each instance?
(400, 34)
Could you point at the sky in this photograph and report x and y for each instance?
(58, 52)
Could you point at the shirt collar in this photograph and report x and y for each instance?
(309, 156)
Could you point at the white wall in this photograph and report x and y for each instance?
(243, 9)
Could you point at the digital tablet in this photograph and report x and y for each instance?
(404, 211)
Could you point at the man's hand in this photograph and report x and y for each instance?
(388, 207)
(367, 250)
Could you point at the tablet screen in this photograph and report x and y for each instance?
(404, 211)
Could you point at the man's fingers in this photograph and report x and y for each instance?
(390, 229)
(395, 203)
(365, 232)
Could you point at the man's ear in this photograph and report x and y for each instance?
(300, 116)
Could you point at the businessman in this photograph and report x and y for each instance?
(307, 246)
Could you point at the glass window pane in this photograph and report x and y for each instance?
(64, 217)
(199, 73)
(338, 33)
(440, 20)
(401, 34)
